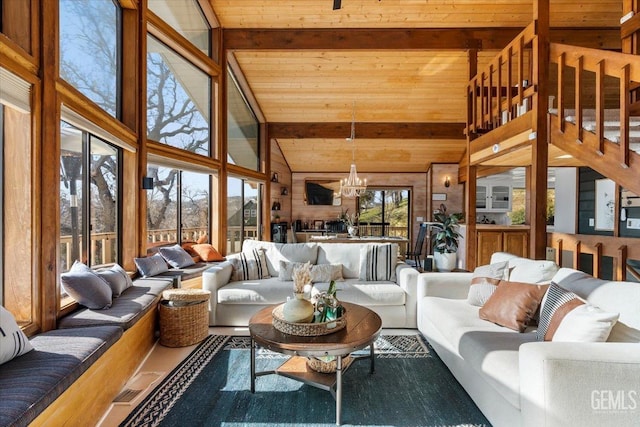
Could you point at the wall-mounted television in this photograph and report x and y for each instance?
(322, 192)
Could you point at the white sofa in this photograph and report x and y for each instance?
(233, 303)
(516, 380)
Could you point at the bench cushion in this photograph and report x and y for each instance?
(189, 272)
(126, 309)
(30, 383)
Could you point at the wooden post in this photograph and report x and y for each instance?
(540, 149)
(471, 172)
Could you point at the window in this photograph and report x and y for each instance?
(184, 16)
(16, 199)
(384, 212)
(178, 100)
(243, 212)
(90, 51)
(170, 216)
(242, 129)
(89, 198)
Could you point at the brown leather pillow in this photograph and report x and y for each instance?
(513, 304)
(207, 252)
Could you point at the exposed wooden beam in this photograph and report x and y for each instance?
(407, 39)
(368, 130)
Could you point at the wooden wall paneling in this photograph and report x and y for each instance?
(279, 165)
(17, 22)
(50, 155)
(454, 193)
(19, 228)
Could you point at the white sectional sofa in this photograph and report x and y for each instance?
(515, 379)
(234, 302)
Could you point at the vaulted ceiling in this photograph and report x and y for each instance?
(403, 62)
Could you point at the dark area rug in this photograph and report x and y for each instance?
(411, 387)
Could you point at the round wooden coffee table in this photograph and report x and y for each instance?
(363, 328)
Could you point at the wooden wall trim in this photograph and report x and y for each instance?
(368, 130)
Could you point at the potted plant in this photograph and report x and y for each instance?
(445, 239)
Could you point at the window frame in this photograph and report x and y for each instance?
(259, 146)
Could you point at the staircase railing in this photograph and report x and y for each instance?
(503, 90)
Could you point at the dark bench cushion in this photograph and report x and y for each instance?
(190, 272)
(125, 310)
(30, 383)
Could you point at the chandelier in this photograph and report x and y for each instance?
(352, 186)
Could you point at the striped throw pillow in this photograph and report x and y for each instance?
(250, 265)
(378, 262)
(566, 317)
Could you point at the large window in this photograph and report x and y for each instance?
(178, 100)
(243, 136)
(89, 198)
(384, 212)
(90, 53)
(184, 16)
(17, 228)
(244, 220)
(173, 219)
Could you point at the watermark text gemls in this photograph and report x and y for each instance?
(615, 400)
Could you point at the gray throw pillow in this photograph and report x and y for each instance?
(86, 287)
(176, 256)
(117, 278)
(151, 266)
(13, 342)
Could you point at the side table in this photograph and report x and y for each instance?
(184, 317)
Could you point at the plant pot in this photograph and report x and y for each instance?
(445, 261)
(352, 230)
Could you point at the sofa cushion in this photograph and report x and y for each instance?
(13, 342)
(485, 280)
(347, 254)
(262, 292)
(249, 265)
(378, 262)
(276, 252)
(513, 304)
(117, 279)
(176, 256)
(126, 310)
(151, 265)
(494, 356)
(32, 382)
(367, 294)
(526, 270)
(86, 287)
(206, 252)
(611, 296)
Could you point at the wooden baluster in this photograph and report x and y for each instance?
(579, 70)
(560, 118)
(499, 94)
(559, 251)
(490, 99)
(597, 261)
(576, 255)
(620, 264)
(625, 102)
(510, 84)
(520, 70)
(600, 107)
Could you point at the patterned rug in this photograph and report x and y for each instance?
(411, 387)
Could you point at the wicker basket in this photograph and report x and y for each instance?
(306, 329)
(184, 317)
(327, 367)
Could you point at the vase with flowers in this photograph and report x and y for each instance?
(350, 221)
(298, 309)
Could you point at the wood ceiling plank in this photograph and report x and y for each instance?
(368, 130)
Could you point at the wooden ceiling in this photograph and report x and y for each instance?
(403, 62)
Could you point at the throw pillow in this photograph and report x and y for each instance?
(13, 342)
(566, 317)
(325, 273)
(151, 266)
(117, 279)
(319, 273)
(249, 265)
(176, 256)
(532, 271)
(378, 262)
(485, 280)
(86, 287)
(207, 252)
(513, 304)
